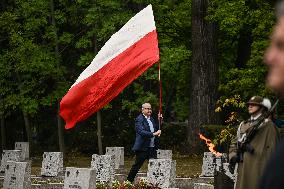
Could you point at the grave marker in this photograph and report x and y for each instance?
(104, 166)
(17, 175)
(9, 155)
(162, 172)
(164, 154)
(118, 153)
(24, 147)
(52, 163)
(79, 178)
(208, 165)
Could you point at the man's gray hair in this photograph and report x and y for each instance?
(147, 103)
(279, 9)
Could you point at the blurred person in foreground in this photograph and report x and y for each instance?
(273, 176)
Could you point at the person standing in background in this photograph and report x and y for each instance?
(252, 156)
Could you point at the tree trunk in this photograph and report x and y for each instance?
(99, 115)
(99, 132)
(244, 48)
(27, 128)
(136, 7)
(3, 132)
(204, 76)
(56, 49)
(60, 132)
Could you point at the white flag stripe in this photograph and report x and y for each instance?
(134, 30)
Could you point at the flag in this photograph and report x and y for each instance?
(126, 55)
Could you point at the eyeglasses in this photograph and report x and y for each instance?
(147, 108)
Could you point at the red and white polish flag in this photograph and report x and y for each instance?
(125, 56)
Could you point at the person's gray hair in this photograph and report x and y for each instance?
(279, 10)
(147, 103)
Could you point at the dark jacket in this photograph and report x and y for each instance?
(144, 134)
(273, 175)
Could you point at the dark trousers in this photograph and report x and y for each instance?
(141, 156)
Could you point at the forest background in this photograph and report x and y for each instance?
(211, 56)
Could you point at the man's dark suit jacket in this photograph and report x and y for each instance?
(144, 134)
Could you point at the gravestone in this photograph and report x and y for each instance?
(164, 154)
(218, 161)
(83, 178)
(24, 147)
(223, 178)
(162, 172)
(203, 186)
(228, 173)
(52, 163)
(104, 166)
(17, 175)
(208, 165)
(9, 155)
(118, 153)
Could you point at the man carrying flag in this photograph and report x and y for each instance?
(124, 57)
(146, 141)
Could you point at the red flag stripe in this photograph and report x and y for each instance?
(92, 93)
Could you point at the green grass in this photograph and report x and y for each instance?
(187, 166)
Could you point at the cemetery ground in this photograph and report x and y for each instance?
(187, 165)
(73, 170)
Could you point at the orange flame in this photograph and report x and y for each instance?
(210, 145)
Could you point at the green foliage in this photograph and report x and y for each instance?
(173, 137)
(230, 15)
(34, 77)
(81, 30)
(232, 109)
(238, 20)
(31, 64)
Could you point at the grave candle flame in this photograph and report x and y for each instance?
(210, 145)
